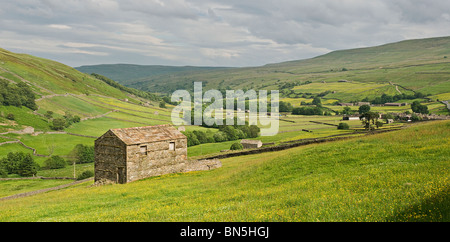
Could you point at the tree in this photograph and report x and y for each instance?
(415, 118)
(347, 110)
(307, 111)
(55, 162)
(19, 163)
(364, 109)
(83, 154)
(343, 126)
(285, 106)
(58, 124)
(253, 131)
(230, 132)
(419, 108)
(192, 139)
(316, 101)
(27, 166)
(369, 119)
(236, 146)
(220, 136)
(201, 136)
(379, 124)
(162, 104)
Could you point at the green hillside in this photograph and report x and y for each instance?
(36, 92)
(397, 176)
(47, 77)
(421, 65)
(125, 73)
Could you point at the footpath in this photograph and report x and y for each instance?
(26, 194)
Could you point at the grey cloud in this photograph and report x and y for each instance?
(200, 32)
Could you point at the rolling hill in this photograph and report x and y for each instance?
(126, 72)
(47, 77)
(60, 92)
(421, 65)
(399, 176)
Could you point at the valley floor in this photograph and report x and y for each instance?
(395, 176)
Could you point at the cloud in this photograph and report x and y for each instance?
(59, 26)
(213, 32)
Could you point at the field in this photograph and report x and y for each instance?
(397, 176)
(414, 65)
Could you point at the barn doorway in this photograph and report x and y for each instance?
(121, 178)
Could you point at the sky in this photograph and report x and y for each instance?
(234, 33)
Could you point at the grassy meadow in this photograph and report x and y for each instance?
(396, 176)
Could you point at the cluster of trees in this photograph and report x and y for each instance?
(18, 95)
(419, 108)
(18, 163)
(64, 122)
(285, 106)
(370, 120)
(24, 164)
(307, 111)
(385, 98)
(225, 133)
(315, 109)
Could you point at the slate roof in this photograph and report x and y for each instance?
(148, 134)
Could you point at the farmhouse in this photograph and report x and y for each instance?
(251, 144)
(129, 154)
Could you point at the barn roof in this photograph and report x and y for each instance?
(148, 134)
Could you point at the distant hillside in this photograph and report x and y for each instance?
(416, 65)
(124, 73)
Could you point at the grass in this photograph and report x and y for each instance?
(399, 176)
(48, 77)
(11, 187)
(60, 105)
(23, 116)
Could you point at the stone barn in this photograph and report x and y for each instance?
(251, 144)
(129, 154)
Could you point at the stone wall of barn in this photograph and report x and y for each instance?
(110, 162)
(157, 159)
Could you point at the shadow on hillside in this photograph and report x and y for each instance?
(434, 209)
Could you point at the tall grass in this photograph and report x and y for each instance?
(399, 176)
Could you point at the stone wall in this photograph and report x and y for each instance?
(202, 165)
(157, 160)
(109, 155)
